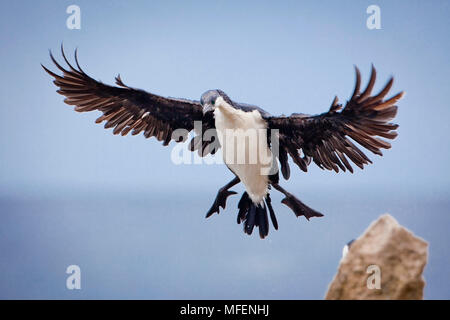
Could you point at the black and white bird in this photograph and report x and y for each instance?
(325, 139)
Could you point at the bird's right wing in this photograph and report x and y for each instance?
(325, 138)
(128, 109)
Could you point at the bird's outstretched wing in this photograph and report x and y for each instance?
(124, 108)
(325, 138)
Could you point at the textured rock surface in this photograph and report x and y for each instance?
(399, 255)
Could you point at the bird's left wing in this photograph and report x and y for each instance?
(326, 138)
(124, 108)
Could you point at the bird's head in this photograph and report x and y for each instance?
(209, 98)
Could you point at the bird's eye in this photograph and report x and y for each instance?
(213, 101)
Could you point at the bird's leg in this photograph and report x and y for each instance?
(222, 196)
(299, 208)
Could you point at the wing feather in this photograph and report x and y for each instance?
(125, 109)
(325, 138)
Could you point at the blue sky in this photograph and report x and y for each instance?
(73, 193)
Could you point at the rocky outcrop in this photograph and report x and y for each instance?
(386, 262)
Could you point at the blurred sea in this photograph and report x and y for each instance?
(147, 245)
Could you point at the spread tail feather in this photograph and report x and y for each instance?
(256, 215)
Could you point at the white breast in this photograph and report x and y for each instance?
(243, 138)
